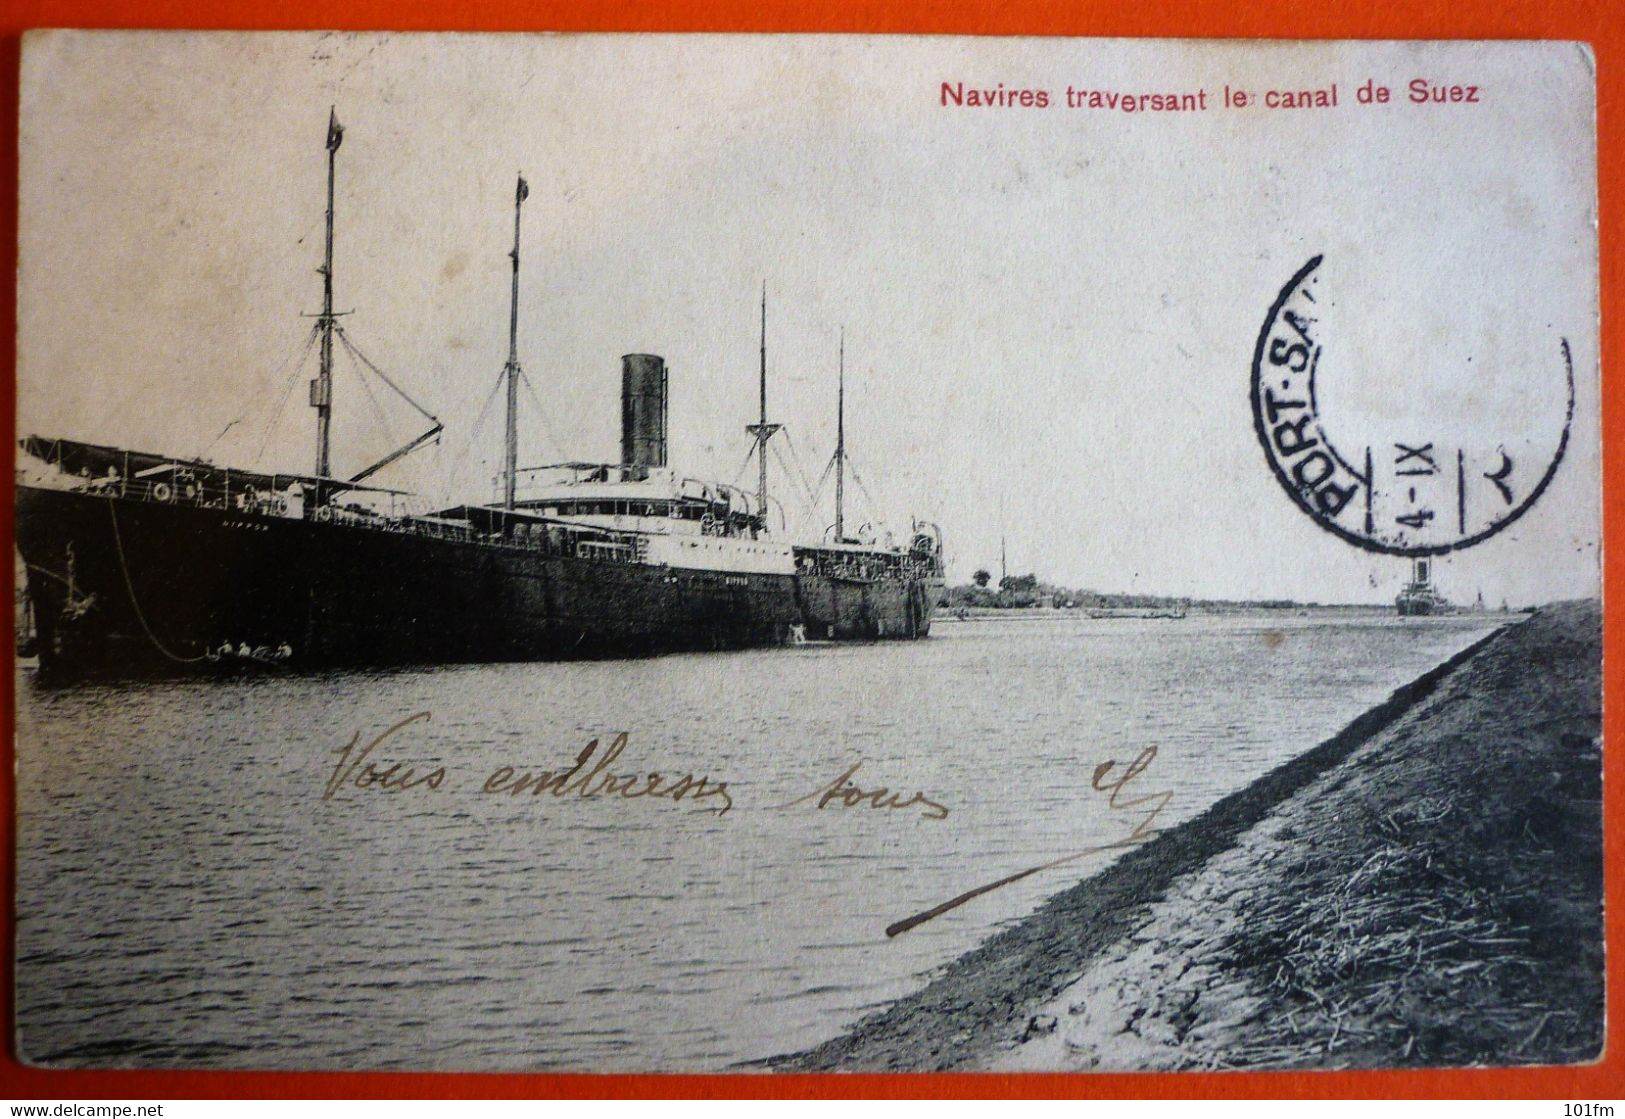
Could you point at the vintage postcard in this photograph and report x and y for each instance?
(748, 553)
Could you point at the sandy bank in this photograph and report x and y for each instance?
(1422, 889)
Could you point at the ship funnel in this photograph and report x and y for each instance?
(643, 410)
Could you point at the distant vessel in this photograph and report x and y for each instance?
(1172, 613)
(1419, 596)
(141, 562)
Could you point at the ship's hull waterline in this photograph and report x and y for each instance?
(127, 587)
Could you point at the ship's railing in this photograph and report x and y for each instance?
(554, 538)
(384, 511)
(870, 566)
(259, 494)
(351, 509)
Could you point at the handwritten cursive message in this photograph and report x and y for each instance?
(354, 767)
(598, 781)
(844, 793)
(587, 779)
(591, 777)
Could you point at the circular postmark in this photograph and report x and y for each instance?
(1442, 439)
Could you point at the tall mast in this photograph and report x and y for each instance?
(761, 438)
(510, 459)
(762, 430)
(840, 446)
(321, 394)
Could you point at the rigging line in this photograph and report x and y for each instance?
(31, 568)
(383, 420)
(124, 566)
(879, 510)
(785, 466)
(382, 376)
(217, 438)
(822, 478)
(541, 415)
(355, 352)
(287, 389)
(473, 432)
(795, 456)
(778, 457)
(740, 473)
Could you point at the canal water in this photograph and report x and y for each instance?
(199, 884)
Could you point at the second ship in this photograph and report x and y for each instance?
(141, 562)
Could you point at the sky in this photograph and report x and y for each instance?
(1049, 313)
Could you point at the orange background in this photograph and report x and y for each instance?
(1593, 22)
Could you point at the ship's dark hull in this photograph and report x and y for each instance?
(123, 587)
(839, 609)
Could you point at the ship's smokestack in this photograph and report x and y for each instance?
(643, 410)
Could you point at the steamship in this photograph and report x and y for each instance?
(1420, 597)
(140, 562)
